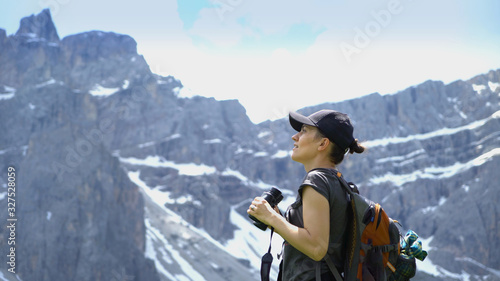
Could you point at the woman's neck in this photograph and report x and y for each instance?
(325, 163)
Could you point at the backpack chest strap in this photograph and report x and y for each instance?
(387, 248)
(331, 266)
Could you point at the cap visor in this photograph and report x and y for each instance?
(297, 120)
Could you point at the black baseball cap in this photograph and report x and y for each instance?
(336, 126)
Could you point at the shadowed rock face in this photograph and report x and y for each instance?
(80, 217)
(76, 113)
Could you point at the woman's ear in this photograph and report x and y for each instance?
(323, 144)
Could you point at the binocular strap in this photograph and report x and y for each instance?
(267, 260)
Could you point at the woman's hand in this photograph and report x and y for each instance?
(313, 238)
(261, 210)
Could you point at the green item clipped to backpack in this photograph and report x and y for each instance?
(376, 250)
(411, 249)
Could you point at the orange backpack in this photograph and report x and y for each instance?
(373, 242)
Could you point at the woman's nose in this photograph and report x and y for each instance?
(295, 137)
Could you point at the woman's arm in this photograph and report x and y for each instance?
(313, 239)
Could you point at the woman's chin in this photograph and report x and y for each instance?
(295, 157)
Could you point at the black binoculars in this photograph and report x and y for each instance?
(273, 197)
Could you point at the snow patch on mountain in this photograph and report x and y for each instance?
(100, 91)
(433, 134)
(435, 172)
(7, 93)
(189, 169)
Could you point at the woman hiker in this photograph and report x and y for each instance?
(316, 223)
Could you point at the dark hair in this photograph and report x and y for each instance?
(337, 153)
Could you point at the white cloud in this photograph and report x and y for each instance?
(270, 85)
(227, 22)
(219, 28)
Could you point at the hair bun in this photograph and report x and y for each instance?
(356, 147)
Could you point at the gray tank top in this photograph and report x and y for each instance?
(296, 265)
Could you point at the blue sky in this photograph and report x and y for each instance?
(277, 56)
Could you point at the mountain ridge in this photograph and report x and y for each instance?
(98, 138)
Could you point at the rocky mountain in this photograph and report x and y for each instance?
(118, 177)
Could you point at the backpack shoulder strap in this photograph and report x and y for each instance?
(353, 238)
(349, 187)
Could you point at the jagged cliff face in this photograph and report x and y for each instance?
(120, 179)
(68, 108)
(80, 217)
